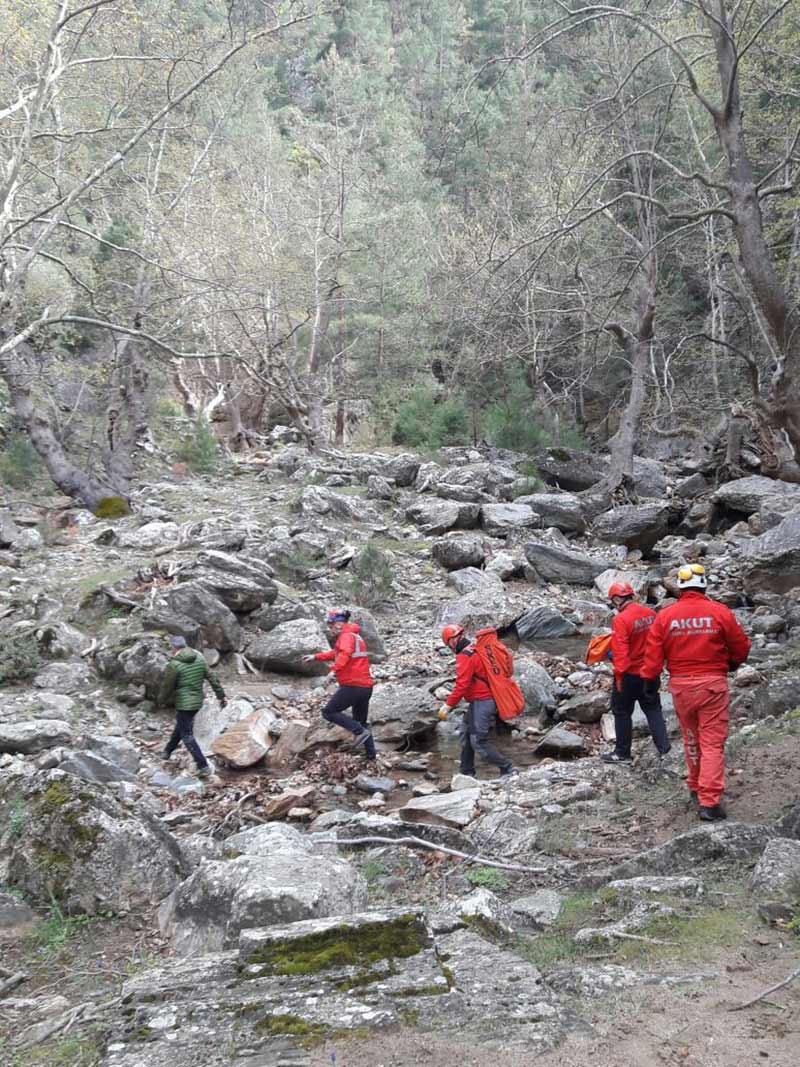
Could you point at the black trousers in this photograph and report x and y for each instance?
(623, 701)
(478, 721)
(184, 731)
(356, 698)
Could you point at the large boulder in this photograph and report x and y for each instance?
(638, 580)
(488, 477)
(401, 469)
(472, 580)
(537, 686)
(317, 500)
(771, 563)
(243, 583)
(775, 882)
(368, 628)
(398, 713)
(553, 563)
(278, 876)
(151, 535)
(140, 662)
(283, 648)
(80, 846)
(561, 743)
(439, 516)
(455, 810)
(68, 677)
(585, 707)
(33, 735)
(575, 470)
(92, 767)
(633, 525)
(459, 550)
(746, 495)
(498, 520)
(544, 621)
(284, 611)
(562, 510)
(245, 741)
(194, 612)
(488, 606)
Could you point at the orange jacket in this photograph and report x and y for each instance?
(350, 659)
(469, 685)
(695, 636)
(628, 637)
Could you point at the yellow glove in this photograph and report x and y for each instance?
(443, 714)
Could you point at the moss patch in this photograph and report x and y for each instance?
(342, 946)
(112, 507)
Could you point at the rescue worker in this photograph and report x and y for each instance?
(481, 713)
(629, 631)
(182, 687)
(701, 641)
(351, 671)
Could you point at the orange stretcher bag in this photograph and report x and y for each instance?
(497, 666)
(599, 648)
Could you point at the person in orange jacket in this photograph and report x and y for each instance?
(351, 670)
(701, 641)
(629, 632)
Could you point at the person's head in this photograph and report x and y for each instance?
(692, 576)
(620, 594)
(177, 644)
(451, 635)
(336, 619)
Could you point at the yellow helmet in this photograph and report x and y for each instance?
(692, 576)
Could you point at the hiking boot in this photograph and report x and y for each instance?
(666, 752)
(166, 757)
(615, 757)
(712, 814)
(509, 772)
(361, 739)
(205, 772)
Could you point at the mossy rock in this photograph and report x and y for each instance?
(112, 507)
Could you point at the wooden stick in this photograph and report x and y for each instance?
(417, 842)
(766, 993)
(12, 982)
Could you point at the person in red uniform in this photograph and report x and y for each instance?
(351, 671)
(629, 632)
(481, 713)
(701, 641)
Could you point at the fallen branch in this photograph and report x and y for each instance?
(638, 937)
(417, 842)
(766, 993)
(12, 982)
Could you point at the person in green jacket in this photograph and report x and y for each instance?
(182, 687)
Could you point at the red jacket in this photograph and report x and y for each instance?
(469, 686)
(695, 636)
(350, 659)
(629, 632)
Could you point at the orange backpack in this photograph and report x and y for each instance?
(599, 648)
(497, 665)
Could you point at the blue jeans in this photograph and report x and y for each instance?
(357, 698)
(184, 731)
(481, 716)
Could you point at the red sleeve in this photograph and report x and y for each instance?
(620, 645)
(738, 641)
(324, 656)
(654, 651)
(465, 669)
(345, 647)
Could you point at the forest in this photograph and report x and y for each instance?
(520, 222)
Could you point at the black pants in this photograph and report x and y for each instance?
(184, 731)
(357, 698)
(481, 716)
(623, 702)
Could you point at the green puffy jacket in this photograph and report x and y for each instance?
(183, 681)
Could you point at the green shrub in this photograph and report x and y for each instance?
(488, 878)
(112, 507)
(424, 421)
(517, 423)
(200, 451)
(20, 463)
(19, 658)
(371, 576)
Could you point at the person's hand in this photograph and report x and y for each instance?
(443, 714)
(330, 678)
(307, 659)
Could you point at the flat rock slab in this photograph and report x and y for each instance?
(246, 741)
(649, 886)
(455, 810)
(538, 910)
(35, 735)
(561, 743)
(607, 979)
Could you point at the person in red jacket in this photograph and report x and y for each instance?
(629, 632)
(481, 713)
(701, 641)
(351, 670)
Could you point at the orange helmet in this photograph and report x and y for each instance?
(620, 589)
(452, 631)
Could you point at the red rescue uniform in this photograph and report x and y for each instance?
(629, 632)
(701, 641)
(469, 685)
(350, 658)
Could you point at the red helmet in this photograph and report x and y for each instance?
(620, 589)
(450, 632)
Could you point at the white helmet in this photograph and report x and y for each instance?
(692, 576)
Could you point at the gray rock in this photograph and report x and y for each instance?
(775, 883)
(348, 825)
(61, 641)
(287, 879)
(537, 686)
(399, 713)
(768, 624)
(284, 646)
(69, 678)
(82, 847)
(368, 627)
(456, 551)
(285, 611)
(34, 735)
(772, 562)
(316, 500)
(538, 910)
(505, 566)
(194, 612)
(483, 909)
(556, 564)
(15, 918)
(575, 470)
(746, 495)
(585, 707)
(242, 583)
(498, 520)
(604, 980)
(644, 886)
(379, 488)
(561, 510)
(561, 743)
(366, 784)
(439, 516)
(489, 478)
(140, 662)
(151, 535)
(472, 580)
(246, 741)
(544, 621)
(117, 750)
(638, 580)
(693, 486)
(462, 781)
(92, 767)
(464, 494)
(633, 525)
(456, 810)
(488, 606)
